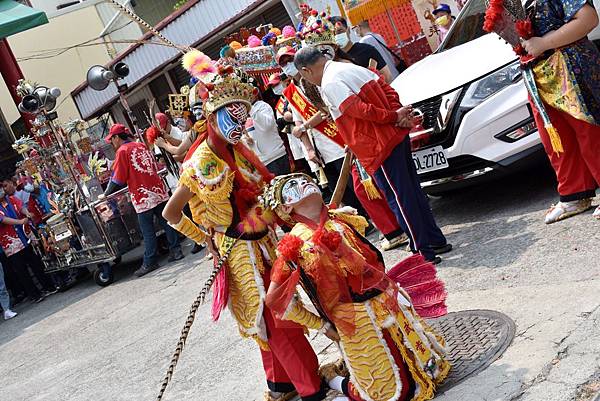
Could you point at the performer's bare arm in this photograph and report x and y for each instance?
(584, 21)
(174, 208)
(299, 131)
(178, 151)
(171, 140)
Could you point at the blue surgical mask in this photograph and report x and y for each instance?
(28, 187)
(290, 70)
(342, 39)
(278, 89)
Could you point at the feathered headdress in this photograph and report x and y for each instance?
(223, 84)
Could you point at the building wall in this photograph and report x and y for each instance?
(64, 71)
(154, 11)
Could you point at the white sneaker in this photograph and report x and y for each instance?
(8, 314)
(396, 242)
(596, 214)
(562, 210)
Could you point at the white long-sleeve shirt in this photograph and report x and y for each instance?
(267, 145)
(329, 150)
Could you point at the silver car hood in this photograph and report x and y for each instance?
(444, 72)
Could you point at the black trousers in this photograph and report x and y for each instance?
(279, 166)
(10, 276)
(25, 260)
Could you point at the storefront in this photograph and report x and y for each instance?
(408, 26)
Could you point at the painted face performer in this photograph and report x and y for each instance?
(390, 353)
(221, 181)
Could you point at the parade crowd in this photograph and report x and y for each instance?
(255, 157)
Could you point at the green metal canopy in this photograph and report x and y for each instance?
(16, 17)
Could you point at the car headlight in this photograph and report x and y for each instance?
(488, 85)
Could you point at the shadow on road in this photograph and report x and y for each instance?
(517, 194)
(490, 224)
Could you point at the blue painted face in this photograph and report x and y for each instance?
(231, 120)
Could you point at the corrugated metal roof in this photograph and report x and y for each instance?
(187, 28)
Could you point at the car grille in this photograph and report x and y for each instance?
(430, 109)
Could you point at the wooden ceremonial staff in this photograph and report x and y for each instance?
(342, 183)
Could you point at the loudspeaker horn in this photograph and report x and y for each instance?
(99, 77)
(121, 69)
(29, 104)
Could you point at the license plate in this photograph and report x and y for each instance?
(431, 159)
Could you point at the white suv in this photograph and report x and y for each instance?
(477, 119)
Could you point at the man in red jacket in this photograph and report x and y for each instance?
(375, 126)
(136, 168)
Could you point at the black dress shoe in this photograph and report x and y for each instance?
(175, 255)
(439, 250)
(436, 261)
(197, 248)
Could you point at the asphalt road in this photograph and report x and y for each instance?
(115, 343)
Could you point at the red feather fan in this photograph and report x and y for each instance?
(418, 277)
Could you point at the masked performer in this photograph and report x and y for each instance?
(390, 352)
(222, 180)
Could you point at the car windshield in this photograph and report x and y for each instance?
(468, 26)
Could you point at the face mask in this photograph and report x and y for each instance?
(290, 70)
(278, 89)
(28, 187)
(298, 189)
(231, 120)
(442, 21)
(342, 39)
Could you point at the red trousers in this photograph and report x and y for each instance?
(578, 167)
(378, 209)
(291, 363)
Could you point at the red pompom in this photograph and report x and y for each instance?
(289, 247)
(519, 50)
(151, 134)
(493, 14)
(329, 239)
(524, 28)
(314, 13)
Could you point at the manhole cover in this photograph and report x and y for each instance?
(474, 340)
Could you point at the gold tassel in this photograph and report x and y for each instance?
(371, 189)
(322, 178)
(554, 138)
